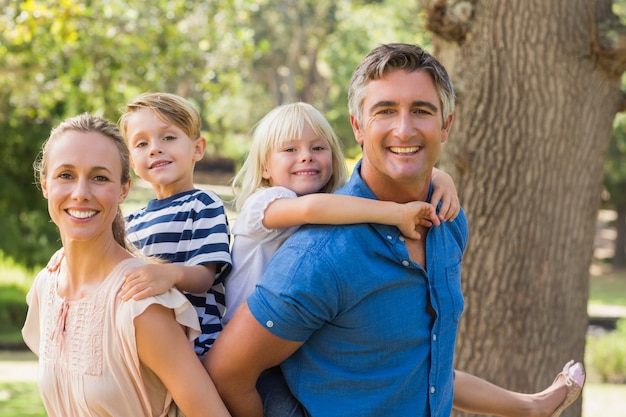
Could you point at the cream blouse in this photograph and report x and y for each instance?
(88, 361)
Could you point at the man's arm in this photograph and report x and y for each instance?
(243, 350)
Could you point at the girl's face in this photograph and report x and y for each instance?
(303, 165)
(83, 185)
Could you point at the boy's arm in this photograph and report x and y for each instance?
(445, 190)
(323, 208)
(154, 279)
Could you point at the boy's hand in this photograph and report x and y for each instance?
(444, 190)
(147, 280)
(417, 213)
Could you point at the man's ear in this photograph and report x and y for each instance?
(356, 128)
(445, 131)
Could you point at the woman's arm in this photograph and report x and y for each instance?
(163, 347)
(322, 208)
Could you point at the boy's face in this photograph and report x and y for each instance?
(161, 153)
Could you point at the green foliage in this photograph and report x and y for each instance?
(14, 308)
(27, 235)
(235, 59)
(606, 354)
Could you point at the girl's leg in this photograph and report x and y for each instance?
(475, 395)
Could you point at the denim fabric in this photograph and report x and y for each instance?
(277, 399)
(378, 330)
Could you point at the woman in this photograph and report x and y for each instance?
(99, 355)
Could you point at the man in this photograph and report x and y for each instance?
(364, 319)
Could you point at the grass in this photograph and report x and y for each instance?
(609, 288)
(20, 399)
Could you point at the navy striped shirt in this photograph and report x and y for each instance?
(190, 229)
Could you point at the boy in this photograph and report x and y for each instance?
(184, 227)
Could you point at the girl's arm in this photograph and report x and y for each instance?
(162, 346)
(444, 190)
(322, 208)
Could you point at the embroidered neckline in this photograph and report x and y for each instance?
(59, 328)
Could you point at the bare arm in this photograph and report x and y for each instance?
(175, 363)
(322, 208)
(444, 190)
(154, 279)
(243, 350)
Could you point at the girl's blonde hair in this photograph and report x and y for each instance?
(282, 124)
(88, 123)
(170, 109)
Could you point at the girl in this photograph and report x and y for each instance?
(295, 153)
(97, 354)
(295, 160)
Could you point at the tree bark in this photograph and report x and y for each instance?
(535, 107)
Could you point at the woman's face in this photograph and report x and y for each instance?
(83, 185)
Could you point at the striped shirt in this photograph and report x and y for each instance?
(190, 229)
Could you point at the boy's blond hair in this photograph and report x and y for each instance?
(169, 108)
(282, 124)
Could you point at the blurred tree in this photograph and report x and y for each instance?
(61, 58)
(306, 50)
(235, 59)
(538, 88)
(615, 185)
(615, 166)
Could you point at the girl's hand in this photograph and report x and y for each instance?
(147, 280)
(416, 214)
(445, 191)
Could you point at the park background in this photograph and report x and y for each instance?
(537, 148)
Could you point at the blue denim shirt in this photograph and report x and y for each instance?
(360, 305)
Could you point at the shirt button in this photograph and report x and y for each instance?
(434, 338)
(269, 323)
(402, 239)
(405, 263)
(389, 237)
(432, 390)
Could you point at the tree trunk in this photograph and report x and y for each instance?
(532, 126)
(619, 256)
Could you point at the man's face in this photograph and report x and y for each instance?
(401, 132)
